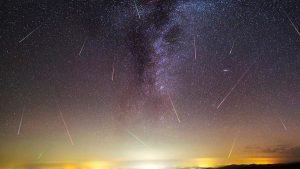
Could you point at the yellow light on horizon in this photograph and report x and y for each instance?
(97, 165)
(149, 166)
(206, 162)
(158, 164)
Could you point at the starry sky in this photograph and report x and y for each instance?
(198, 82)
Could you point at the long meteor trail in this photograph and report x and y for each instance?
(29, 34)
(136, 138)
(235, 85)
(232, 147)
(174, 109)
(65, 125)
(292, 23)
(21, 121)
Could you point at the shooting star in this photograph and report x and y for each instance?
(195, 48)
(65, 125)
(40, 156)
(29, 34)
(21, 121)
(232, 147)
(136, 138)
(231, 48)
(235, 85)
(42, 153)
(82, 47)
(292, 23)
(174, 109)
(137, 9)
(113, 70)
(285, 128)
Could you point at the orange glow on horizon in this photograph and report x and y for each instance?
(197, 162)
(217, 162)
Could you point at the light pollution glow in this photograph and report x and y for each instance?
(199, 162)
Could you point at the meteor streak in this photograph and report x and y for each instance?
(65, 125)
(40, 156)
(174, 109)
(82, 47)
(136, 138)
(292, 23)
(195, 49)
(285, 128)
(137, 9)
(29, 34)
(232, 146)
(113, 70)
(21, 121)
(231, 48)
(42, 153)
(235, 85)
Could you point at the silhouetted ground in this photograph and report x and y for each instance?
(267, 166)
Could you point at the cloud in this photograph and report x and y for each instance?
(291, 151)
(295, 151)
(276, 149)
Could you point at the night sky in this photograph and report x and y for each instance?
(195, 82)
